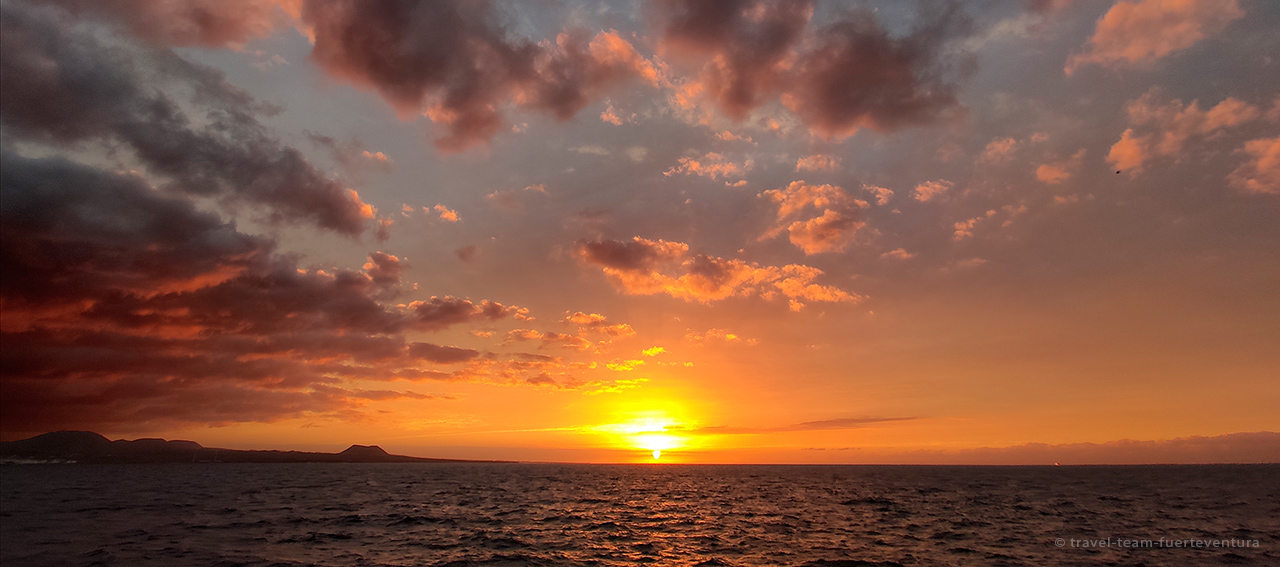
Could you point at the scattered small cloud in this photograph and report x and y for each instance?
(928, 190)
(711, 165)
(818, 162)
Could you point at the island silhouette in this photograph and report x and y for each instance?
(90, 447)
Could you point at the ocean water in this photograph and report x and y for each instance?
(602, 515)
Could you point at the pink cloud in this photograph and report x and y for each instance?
(1138, 33)
(928, 190)
(1260, 173)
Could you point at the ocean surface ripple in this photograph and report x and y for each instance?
(602, 515)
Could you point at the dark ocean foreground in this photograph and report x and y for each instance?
(544, 514)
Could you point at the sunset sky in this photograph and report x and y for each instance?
(584, 231)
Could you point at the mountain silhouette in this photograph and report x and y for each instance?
(90, 447)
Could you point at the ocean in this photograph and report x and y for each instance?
(495, 514)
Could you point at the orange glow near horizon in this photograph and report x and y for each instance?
(652, 432)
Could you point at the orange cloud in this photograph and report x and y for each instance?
(716, 335)
(646, 267)
(712, 165)
(1261, 173)
(898, 254)
(1140, 33)
(882, 194)
(1052, 174)
(446, 213)
(831, 231)
(1129, 153)
(595, 322)
(1057, 172)
(999, 150)
(926, 191)
(1169, 125)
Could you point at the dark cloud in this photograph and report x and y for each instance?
(456, 62)
(441, 354)
(858, 76)
(848, 75)
(124, 304)
(440, 312)
(385, 270)
(634, 254)
(71, 231)
(183, 121)
(745, 40)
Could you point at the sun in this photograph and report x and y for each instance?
(653, 434)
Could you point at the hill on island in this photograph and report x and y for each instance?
(90, 447)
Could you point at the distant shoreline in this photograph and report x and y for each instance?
(87, 447)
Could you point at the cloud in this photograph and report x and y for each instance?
(1260, 173)
(926, 191)
(898, 254)
(820, 425)
(717, 336)
(441, 312)
(619, 365)
(1130, 152)
(1059, 171)
(385, 269)
(1169, 125)
(882, 194)
(728, 136)
(207, 23)
(351, 154)
(594, 150)
(513, 199)
(456, 64)
(550, 339)
(818, 162)
(1137, 34)
(64, 87)
(645, 267)
(441, 354)
(858, 76)
(446, 214)
(610, 114)
(124, 304)
(712, 165)
(999, 150)
(743, 44)
(831, 230)
(848, 75)
(597, 323)
(1052, 174)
